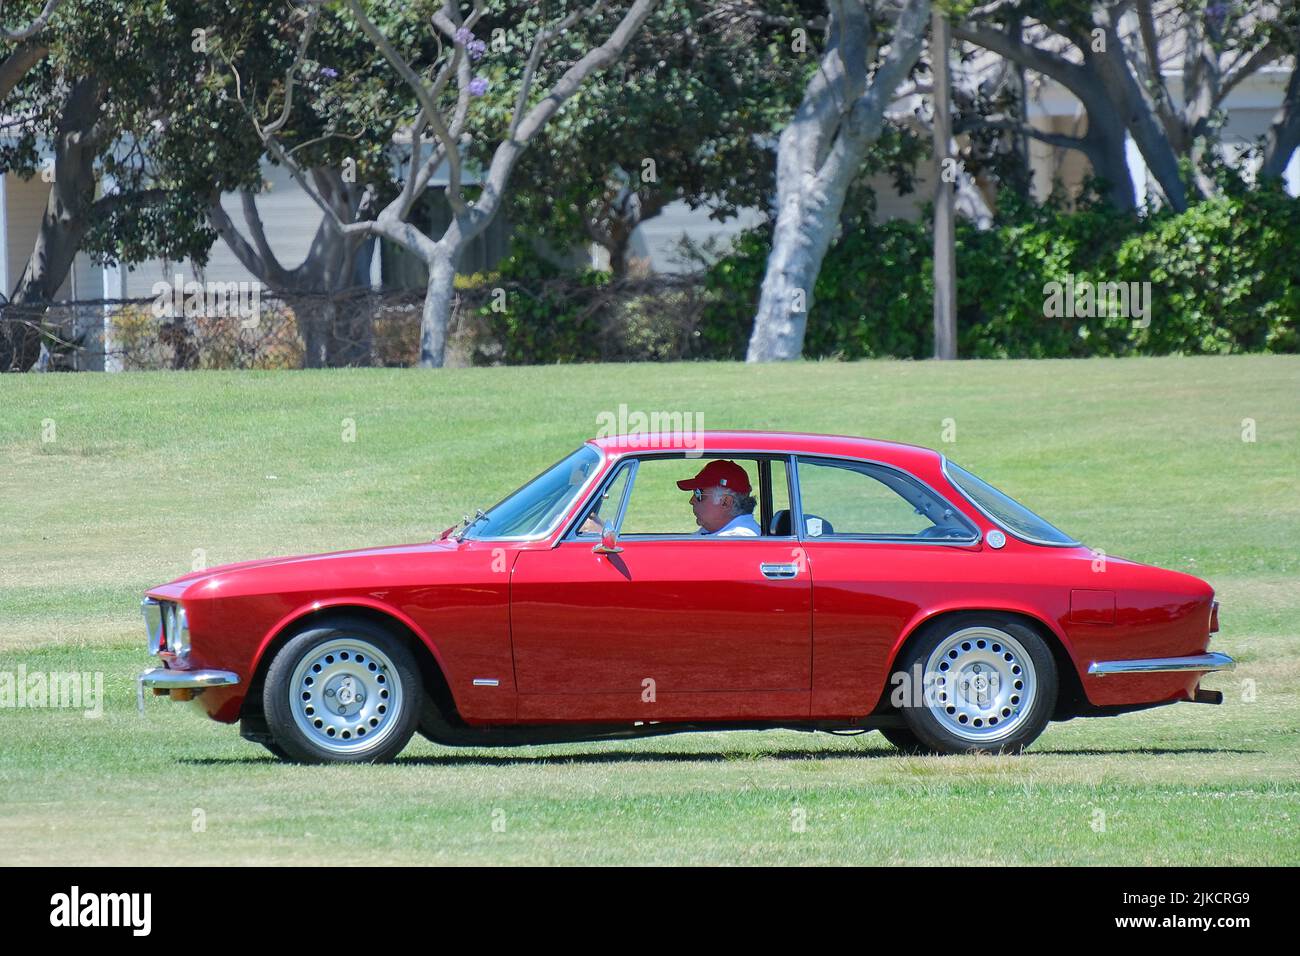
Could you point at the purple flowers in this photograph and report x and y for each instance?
(474, 49)
(329, 72)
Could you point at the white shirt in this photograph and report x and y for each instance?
(741, 526)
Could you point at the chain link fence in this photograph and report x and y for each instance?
(565, 319)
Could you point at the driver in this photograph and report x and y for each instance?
(721, 501)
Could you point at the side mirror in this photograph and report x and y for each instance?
(608, 542)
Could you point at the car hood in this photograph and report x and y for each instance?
(353, 566)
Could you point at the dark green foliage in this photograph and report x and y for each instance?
(548, 317)
(1224, 278)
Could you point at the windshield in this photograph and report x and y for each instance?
(1005, 510)
(535, 508)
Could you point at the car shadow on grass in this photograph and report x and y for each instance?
(479, 758)
(1140, 751)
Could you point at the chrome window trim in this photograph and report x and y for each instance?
(570, 532)
(795, 495)
(943, 467)
(791, 460)
(885, 539)
(633, 468)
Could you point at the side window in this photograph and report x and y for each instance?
(846, 498)
(658, 506)
(611, 499)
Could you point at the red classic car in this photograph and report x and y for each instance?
(725, 580)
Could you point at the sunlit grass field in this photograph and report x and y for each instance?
(109, 484)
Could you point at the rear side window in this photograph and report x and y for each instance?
(1005, 510)
(859, 500)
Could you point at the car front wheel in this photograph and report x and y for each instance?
(988, 684)
(343, 691)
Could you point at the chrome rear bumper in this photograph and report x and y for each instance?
(162, 680)
(1164, 665)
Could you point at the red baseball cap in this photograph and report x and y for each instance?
(719, 473)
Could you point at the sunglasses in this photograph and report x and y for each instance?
(697, 494)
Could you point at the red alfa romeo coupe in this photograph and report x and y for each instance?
(647, 585)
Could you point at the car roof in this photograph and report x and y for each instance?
(803, 443)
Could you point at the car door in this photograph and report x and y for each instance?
(880, 545)
(676, 626)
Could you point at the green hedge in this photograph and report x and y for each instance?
(1224, 277)
(530, 312)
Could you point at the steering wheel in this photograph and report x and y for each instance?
(939, 531)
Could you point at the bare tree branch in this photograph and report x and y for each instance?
(507, 153)
(1063, 140)
(16, 65)
(1070, 75)
(425, 95)
(1252, 64)
(36, 26)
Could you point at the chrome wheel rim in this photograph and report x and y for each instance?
(983, 684)
(345, 696)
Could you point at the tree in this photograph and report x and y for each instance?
(945, 236)
(136, 146)
(442, 107)
(340, 135)
(1113, 54)
(29, 47)
(819, 154)
(686, 114)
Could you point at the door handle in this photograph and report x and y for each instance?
(779, 571)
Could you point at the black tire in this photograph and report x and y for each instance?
(904, 740)
(355, 659)
(998, 719)
(276, 750)
(434, 726)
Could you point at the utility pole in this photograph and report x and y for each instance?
(945, 254)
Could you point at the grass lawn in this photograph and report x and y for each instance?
(109, 484)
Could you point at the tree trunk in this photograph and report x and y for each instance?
(436, 315)
(1103, 144)
(1126, 98)
(1284, 134)
(315, 319)
(618, 255)
(805, 225)
(819, 153)
(63, 226)
(945, 255)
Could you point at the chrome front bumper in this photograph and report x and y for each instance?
(1163, 665)
(161, 679)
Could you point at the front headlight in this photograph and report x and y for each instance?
(178, 630)
(153, 624)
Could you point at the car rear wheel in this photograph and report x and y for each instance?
(989, 685)
(344, 691)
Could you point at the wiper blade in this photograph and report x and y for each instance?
(479, 515)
